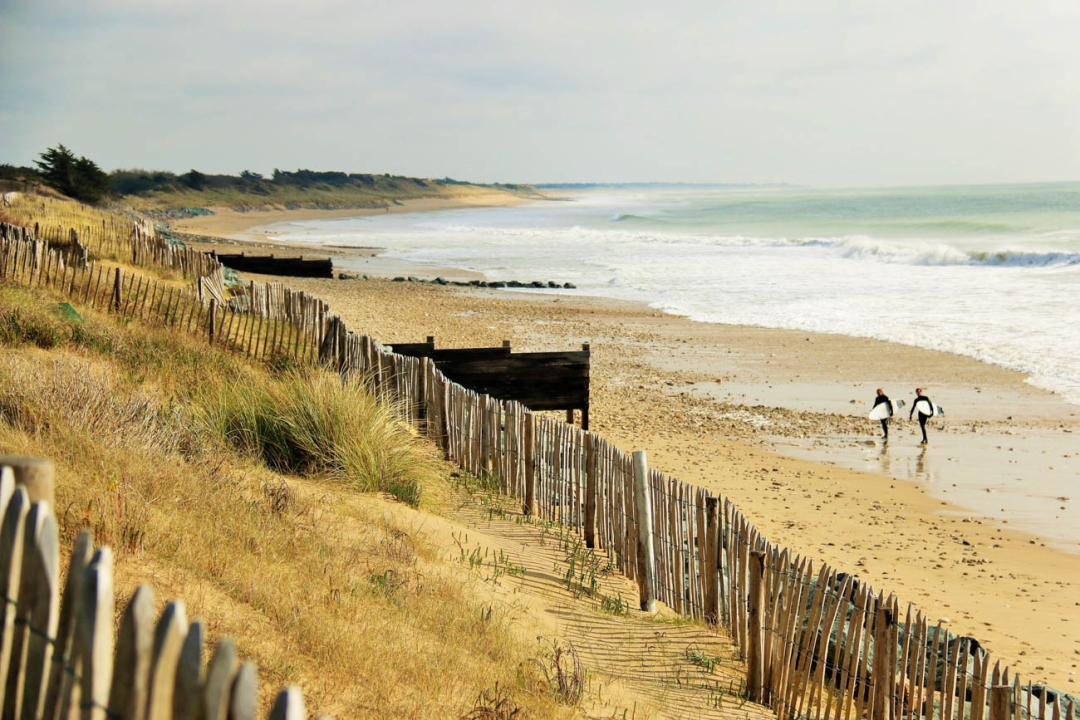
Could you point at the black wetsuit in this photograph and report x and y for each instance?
(922, 418)
(885, 420)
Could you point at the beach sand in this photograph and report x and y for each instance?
(226, 222)
(776, 420)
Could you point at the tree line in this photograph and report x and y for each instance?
(82, 179)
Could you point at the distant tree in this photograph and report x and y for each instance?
(91, 182)
(248, 175)
(80, 178)
(134, 181)
(194, 179)
(19, 173)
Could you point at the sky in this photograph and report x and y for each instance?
(829, 94)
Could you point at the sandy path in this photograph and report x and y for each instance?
(636, 662)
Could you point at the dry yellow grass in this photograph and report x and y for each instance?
(319, 589)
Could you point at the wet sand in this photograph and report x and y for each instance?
(776, 420)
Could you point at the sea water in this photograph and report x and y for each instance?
(991, 272)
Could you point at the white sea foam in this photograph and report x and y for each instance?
(993, 278)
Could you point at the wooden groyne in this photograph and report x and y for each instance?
(270, 265)
(538, 380)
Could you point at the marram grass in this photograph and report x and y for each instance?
(308, 422)
(307, 574)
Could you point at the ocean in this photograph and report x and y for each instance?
(991, 272)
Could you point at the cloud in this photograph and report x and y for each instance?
(823, 93)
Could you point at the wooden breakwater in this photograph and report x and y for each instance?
(270, 265)
(60, 658)
(818, 643)
(538, 380)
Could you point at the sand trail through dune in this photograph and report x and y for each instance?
(655, 666)
(637, 665)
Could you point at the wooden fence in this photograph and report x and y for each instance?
(818, 643)
(276, 324)
(59, 658)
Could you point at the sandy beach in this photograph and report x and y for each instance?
(226, 222)
(776, 420)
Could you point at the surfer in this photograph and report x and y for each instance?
(923, 417)
(883, 398)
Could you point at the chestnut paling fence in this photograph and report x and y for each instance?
(818, 643)
(59, 657)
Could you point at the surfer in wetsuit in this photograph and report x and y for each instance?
(922, 418)
(883, 398)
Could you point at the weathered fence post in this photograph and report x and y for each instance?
(590, 491)
(712, 574)
(645, 553)
(585, 410)
(530, 464)
(213, 319)
(884, 663)
(422, 395)
(1001, 702)
(116, 292)
(289, 705)
(755, 670)
(37, 475)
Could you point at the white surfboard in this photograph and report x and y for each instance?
(884, 410)
(927, 408)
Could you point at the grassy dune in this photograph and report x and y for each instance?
(380, 191)
(239, 490)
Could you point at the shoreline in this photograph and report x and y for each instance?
(708, 404)
(227, 222)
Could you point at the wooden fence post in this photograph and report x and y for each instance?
(213, 318)
(219, 678)
(1001, 702)
(530, 464)
(116, 292)
(70, 606)
(188, 686)
(134, 655)
(712, 573)
(645, 552)
(590, 491)
(585, 410)
(884, 663)
(169, 634)
(755, 669)
(244, 696)
(37, 475)
(289, 705)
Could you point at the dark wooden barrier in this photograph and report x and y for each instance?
(540, 381)
(270, 265)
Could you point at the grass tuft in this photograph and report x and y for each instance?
(308, 422)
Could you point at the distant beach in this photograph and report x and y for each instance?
(776, 419)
